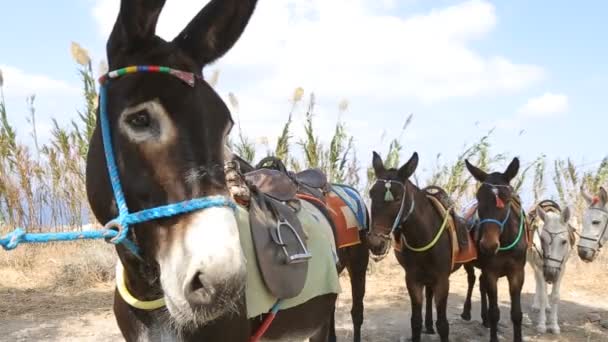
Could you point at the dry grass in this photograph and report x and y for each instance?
(45, 187)
(60, 266)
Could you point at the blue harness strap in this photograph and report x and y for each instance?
(116, 231)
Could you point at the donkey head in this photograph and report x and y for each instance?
(168, 140)
(595, 225)
(557, 240)
(493, 200)
(390, 202)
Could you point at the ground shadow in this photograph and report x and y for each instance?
(391, 321)
(41, 313)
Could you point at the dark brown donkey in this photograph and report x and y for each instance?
(400, 208)
(168, 140)
(502, 236)
(354, 258)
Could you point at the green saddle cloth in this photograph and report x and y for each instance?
(322, 277)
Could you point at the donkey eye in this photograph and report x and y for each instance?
(564, 242)
(595, 222)
(139, 120)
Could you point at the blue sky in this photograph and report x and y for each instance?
(514, 65)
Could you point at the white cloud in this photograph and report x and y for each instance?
(545, 105)
(343, 48)
(18, 83)
(354, 49)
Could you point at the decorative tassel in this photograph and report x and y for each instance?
(388, 195)
(595, 200)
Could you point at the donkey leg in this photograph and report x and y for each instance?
(541, 294)
(322, 335)
(466, 310)
(493, 311)
(516, 282)
(484, 300)
(442, 290)
(357, 270)
(414, 289)
(553, 322)
(428, 314)
(536, 302)
(332, 328)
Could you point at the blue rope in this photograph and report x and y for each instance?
(500, 224)
(116, 230)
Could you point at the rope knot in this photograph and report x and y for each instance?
(116, 230)
(11, 240)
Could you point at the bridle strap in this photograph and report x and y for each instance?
(124, 219)
(598, 239)
(501, 224)
(398, 220)
(541, 252)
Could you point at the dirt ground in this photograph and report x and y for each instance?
(39, 313)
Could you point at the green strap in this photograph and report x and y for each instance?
(519, 234)
(432, 243)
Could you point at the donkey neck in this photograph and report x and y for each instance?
(424, 222)
(141, 280)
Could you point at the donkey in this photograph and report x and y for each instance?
(354, 258)
(502, 239)
(552, 244)
(595, 225)
(401, 210)
(168, 129)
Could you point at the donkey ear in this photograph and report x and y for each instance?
(476, 172)
(566, 215)
(540, 212)
(408, 169)
(512, 169)
(215, 29)
(588, 198)
(135, 25)
(378, 164)
(603, 196)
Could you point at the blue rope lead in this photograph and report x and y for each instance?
(11, 240)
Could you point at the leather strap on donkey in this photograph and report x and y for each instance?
(280, 245)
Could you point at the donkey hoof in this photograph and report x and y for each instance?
(466, 316)
(486, 324)
(555, 329)
(541, 328)
(429, 331)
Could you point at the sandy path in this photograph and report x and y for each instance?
(40, 314)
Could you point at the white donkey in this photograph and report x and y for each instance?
(595, 225)
(552, 243)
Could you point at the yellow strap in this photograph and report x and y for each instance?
(121, 285)
(434, 241)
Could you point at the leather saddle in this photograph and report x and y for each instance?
(280, 244)
(279, 239)
(459, 222)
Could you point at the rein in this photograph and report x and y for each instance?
(116, 230)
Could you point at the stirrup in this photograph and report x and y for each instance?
(278, 239)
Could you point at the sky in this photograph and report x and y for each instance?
(534, 71)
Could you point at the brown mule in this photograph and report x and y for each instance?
(353, 252)
(425, 245)
(168, 139)
(503, 239)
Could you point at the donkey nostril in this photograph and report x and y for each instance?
(196, 283)
(197, 291)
